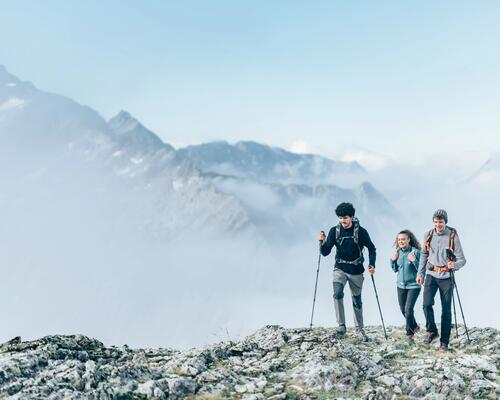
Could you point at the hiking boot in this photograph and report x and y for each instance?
(443, 348)
(340, 331)
(411, 339)
(361, 334)
(430, 337)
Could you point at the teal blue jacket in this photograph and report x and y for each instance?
(406, 270)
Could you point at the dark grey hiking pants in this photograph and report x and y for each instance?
(431, 286)
(340, 278)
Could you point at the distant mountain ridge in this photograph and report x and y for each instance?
(265, 163)
(214, 187)
(55, 135)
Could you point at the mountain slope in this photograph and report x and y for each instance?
(60, 142)
(273, 363)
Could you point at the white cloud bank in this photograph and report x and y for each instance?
(12, 103)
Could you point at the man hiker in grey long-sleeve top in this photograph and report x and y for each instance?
(436, 262)
(349, 238)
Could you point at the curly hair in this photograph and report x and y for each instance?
(413, 240)
(345, 209)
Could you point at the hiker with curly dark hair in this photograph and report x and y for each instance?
(405, 262)
(350, 239)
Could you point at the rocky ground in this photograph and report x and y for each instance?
(273, 363)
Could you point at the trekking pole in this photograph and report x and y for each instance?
(316, 285)
(379, 309)
(454, 309)
(454, 283)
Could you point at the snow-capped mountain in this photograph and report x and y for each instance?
(213, 189)
(297, 210)
(247, 159)
(55, 139)
(33, 121)
(286, 192)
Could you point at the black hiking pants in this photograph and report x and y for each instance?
(445, 287)
(407, 299)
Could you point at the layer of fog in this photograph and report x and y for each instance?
(77, 259)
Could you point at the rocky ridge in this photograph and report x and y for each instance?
(273, 363)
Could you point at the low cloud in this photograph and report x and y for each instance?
(300, 147)
(12, 103)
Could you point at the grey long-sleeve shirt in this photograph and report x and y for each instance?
(437, 254)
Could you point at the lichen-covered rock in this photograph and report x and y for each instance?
(274, 363)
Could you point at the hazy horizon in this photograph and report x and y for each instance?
(102, 235)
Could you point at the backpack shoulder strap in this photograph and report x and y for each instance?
(356, 231)
(453, 233)
(428, 240)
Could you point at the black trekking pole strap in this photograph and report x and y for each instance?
(315, 286)
(454, 282)
(378, 303)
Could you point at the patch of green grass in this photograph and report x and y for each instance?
(130, 396)
(178, 371)
(208, 397)
(219, 364)
(473, 350)
(329, 394)
(225, 394)
(292, 395)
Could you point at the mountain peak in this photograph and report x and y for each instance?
(6, 77)
(123, 114)
(123, 121)
(124, 125)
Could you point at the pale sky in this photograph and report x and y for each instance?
(404, 79)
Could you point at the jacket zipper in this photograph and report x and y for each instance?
(404, 278)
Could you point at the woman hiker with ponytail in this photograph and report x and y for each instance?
(405, 262)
